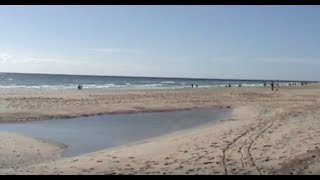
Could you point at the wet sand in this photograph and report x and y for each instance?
(17, 150)
(268, 133)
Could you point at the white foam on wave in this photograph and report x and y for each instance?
(167, 82)
(252, 85)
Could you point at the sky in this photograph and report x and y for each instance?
(237, 42)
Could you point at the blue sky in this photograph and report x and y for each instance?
(246, 42)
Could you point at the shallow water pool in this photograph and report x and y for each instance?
(89, 134)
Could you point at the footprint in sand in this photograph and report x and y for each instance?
(214, 146)
(189, 171)
(205, 151)
(208, 162)
(180, 167)
(175, 161)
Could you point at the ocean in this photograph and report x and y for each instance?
(58, 82)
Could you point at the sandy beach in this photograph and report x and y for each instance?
(268, 133)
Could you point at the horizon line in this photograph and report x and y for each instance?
(158, 77)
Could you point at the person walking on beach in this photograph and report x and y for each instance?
(79, 87)
(191, 85)
(272, 85)
(265, 84)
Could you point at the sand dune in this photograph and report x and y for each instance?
(269, 132)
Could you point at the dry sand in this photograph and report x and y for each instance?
(269, 132)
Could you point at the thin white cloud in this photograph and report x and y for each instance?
(288, 60)
(272, 60)
(118, 50)
(39, 60)
(7, 58)
(225, 59)
(4, 57)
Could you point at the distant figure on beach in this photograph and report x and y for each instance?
(229, 85)
(272, 85)
(240, 85)
(277, 86)
(191, 85)
(196, 85)
(226, 85)
(79, 87)
(265, 84)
